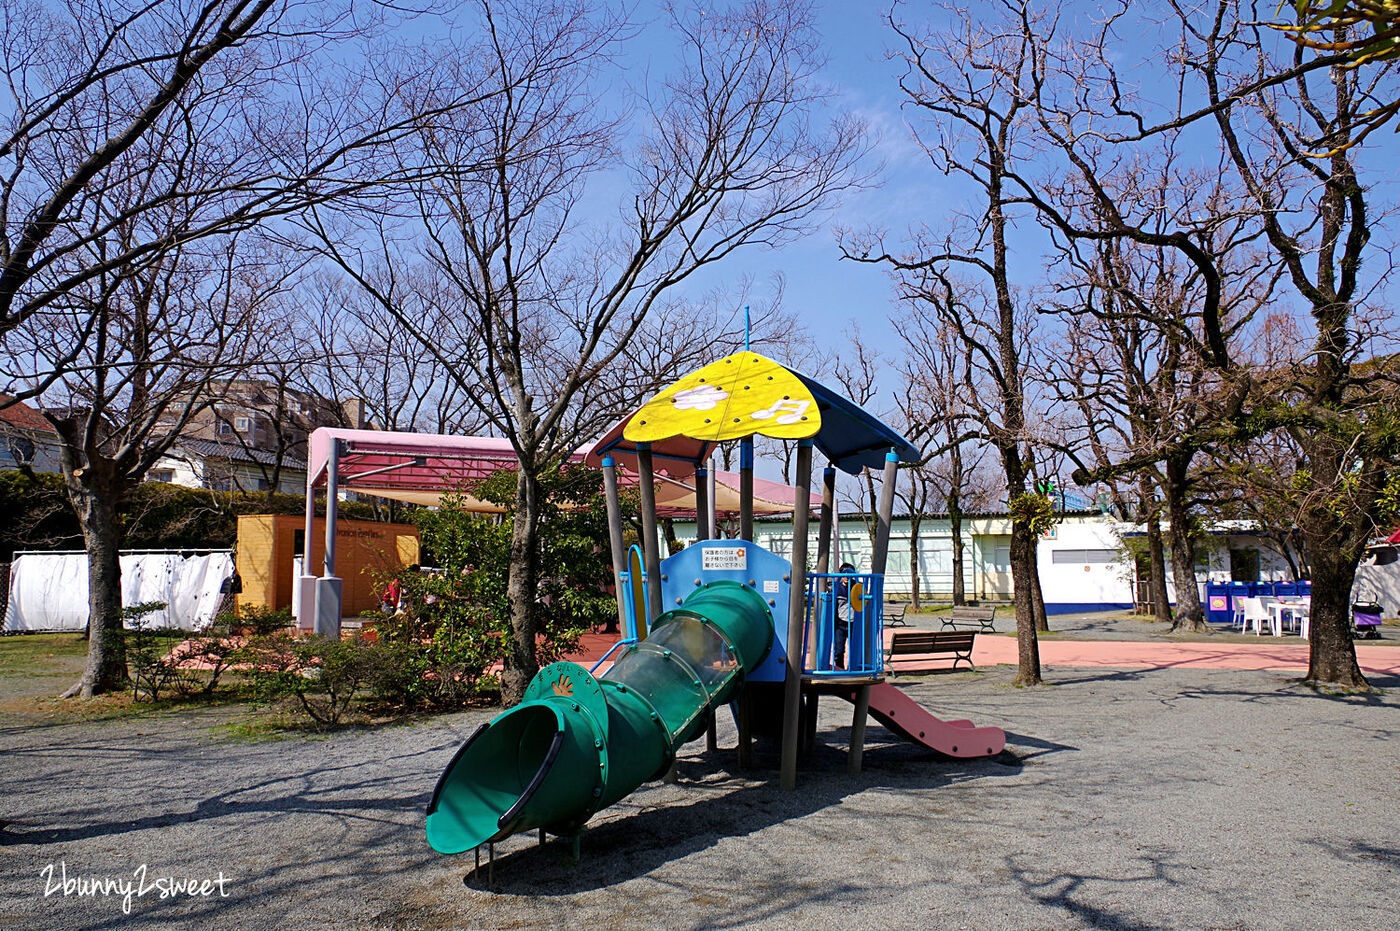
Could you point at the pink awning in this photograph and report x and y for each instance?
(422, 467)
(415, 467)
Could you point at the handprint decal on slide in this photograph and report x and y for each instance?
(702, 398)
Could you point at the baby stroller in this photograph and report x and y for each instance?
(1366, 620)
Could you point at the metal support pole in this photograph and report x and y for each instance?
(797, 603)
(328, 587)
(746, 490)
(332, 495)
(885, 514)
(702, 507)
(824, 542)
(615, 534)
(306, 582)
(713, 523)
(824, 528)
(648, 488)
(310, 525)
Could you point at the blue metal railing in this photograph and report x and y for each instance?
(849, 603)
(629, 607)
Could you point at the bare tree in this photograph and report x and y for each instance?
(939, 380)
(857, 367)
(722, 155)
(1317, 217)
(162, 337)
(247, 104)
(148, 150)
(968, 85)
(1272, 106)
(361, 353)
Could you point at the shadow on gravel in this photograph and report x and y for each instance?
(1078, 893)
(1360, 850)
(1042, 747)
(634, 845)
(292, 794)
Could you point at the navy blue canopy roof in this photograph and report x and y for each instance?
(851, 438)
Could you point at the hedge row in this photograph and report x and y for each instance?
(37, 515)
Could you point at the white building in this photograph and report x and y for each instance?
(228, 467)
(1088, 561)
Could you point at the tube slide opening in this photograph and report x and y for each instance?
(493, 777)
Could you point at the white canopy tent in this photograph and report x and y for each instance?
(49, 591)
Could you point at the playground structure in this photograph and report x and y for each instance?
(721, 622)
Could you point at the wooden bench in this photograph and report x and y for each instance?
(894, 614)
(938, 643)
(972, 617)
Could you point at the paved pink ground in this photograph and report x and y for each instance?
(1136, 654)
(1271, 653)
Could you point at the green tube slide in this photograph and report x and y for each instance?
(577, 744)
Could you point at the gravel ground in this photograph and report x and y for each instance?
(1165, 798)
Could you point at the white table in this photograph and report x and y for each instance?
(1295, 609)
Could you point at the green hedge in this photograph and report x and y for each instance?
(38, 516)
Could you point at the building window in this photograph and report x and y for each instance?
(1084, 557)
(242, 424)
(161, 475)
(1001, 559)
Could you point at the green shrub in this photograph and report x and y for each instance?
(260, 620)
(152, 664)
(436, 650)
(318, 675)
(573, 562)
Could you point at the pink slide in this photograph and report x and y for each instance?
(907, 718)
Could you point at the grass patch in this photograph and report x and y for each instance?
(40, 654)
(120, 706)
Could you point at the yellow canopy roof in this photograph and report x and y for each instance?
(741, 395)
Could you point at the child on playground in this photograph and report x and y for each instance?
(843, 616)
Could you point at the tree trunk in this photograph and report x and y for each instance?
(95, 496)
(668, 532)
(1157, 560)
(955, 523)
(1331, 653)
(1189, 613)
(1022, 569)
(1037, 596)
(521, 584)
(914, 523)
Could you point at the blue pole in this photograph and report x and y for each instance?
(746, 327)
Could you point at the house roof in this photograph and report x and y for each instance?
(23, 416)
(235, 452)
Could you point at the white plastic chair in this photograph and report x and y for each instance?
(1237, 621)
(1273, 613)
(1256, 617)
